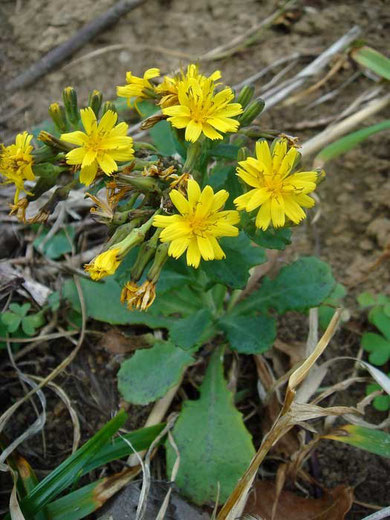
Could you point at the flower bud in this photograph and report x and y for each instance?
(54, 143)
(245, 95)
(57, 113)
(160, 258)
(251, 112)
(70, 101)
(243, 154)
(109, 105)
(95, 100)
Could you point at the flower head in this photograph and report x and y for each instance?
(104, 264)
(198, 225)
(201, 110)
(137, 87)
(16, 162)
(139, 297)
(169, 86)
(101, 145)
(277, 192)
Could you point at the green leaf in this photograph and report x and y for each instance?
(241, 255)
(224, 177)
(150, 373)
(374, 441)
(20, 310)
(57, 245)
(33, 322)
(184, 301)
(350, 141)
(380, 402)
(68, 472)
(215, 447)
(327, 309)
(11, 321)
(366, 299)
(226, 151)
(189, 331)
(270, 239)
(378, 347)
(299, 286)
(76, 505)
(164, 139)
(373, 60)
(249, 334)
(97, 295)
(381, 321)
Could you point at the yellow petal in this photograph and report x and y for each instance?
(242, 201)
(180, 202)
(280, 149)
(218, 251)
(293, 210)
(210, 132)
(259, 197)
(219, 200)
(193, 192)
(89, 158)
(263, 153)
(88, 119)
(77, 137)
(177, 247)
(193, 131)
(263, 218)
(88, 173)
(193, 253)
(277, 212)
(107, 163)
(75, 156)
(152, 73)
(108, 121)
(205, 248)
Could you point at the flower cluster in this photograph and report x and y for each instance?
(161, 206)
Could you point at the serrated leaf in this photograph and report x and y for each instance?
(57, 245)
(98, 295)
(374, 441)
(150, 373)
(189, 331)
(373, 60)
(249, 334)
(215, 447)
(11, 321)
(299, 286)
(241, 255)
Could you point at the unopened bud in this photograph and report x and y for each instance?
(109, 105)
(160, 258)
(95, 101)
(151, 121)
(243, 154)
(57, 113)
(53, 142)
(70, 101)
(251, 112)
(245, 95)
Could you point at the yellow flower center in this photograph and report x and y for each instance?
(200, 226)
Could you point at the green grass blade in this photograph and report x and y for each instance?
(374, 441)
(139, 439)
(350, 141)
(70, 470)
(373, 60)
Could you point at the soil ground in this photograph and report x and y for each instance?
(354, 224)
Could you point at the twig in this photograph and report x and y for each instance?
(78, 40)
(384, 513)
(330, 134)
(273, 97)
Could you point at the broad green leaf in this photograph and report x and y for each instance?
(381, 321)
(33, 322)
(189, 331)
(58, 244)
(164, 139)
(224, 150)
(270, 239)
(378, 347)
(350, 141)
(11, 321)
(249, 334)
(327, 309)
(299, 286)
(20, 310)
(241, 255)
(215, 447)
(69, 471)
(183, 301)
(224, 177)
(373, 60)
(150, 373)
(102, 301)
(374, 441)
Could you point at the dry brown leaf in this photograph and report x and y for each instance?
(116, 342)
(334, 505)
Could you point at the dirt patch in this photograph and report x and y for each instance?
(354, 224)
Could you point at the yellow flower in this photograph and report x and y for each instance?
(199, 224)
(169, 86)
(199, 110)
(277, 192)
(140, 298)
(16, 162)
(101, 145)
(104, 264)
(138, 87)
